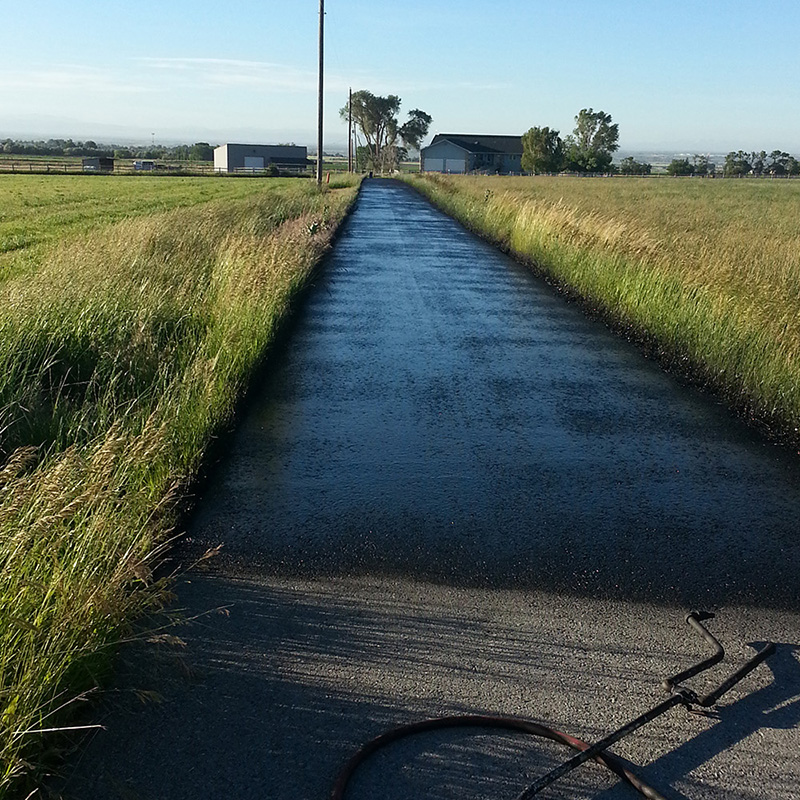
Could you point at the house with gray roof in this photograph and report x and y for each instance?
(460, 153)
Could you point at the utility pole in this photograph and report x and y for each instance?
(321, 68)
(350, 133)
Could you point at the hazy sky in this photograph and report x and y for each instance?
(693, 75)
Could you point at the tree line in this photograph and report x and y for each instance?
(199, 151)
(589, 148)
(738, 164)
(776, 163)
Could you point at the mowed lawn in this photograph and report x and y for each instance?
(705, 272)
(132, 314)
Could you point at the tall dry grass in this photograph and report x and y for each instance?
(706, 272)
(120, 358)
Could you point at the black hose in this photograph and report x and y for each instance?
(617, 765)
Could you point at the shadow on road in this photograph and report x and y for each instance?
(271, 697)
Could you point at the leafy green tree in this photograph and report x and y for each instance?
(757, 162)
(781, 163)
(680, 166)
(415, 129)
(737, 164)
(630, 166)
(778, 161)
(387, 141)
(201, 151)
(702, 166)
(362, 158)
(593, 142)
(542, 150)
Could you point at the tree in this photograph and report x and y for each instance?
(362, 158)
(757, 164)
(782, 163)
(702, 166)
(737, 164)
(629, 166)
(593, 142)
(387, 141)
(542, 150)
(201, 151)
(680, 166)
(778, 162)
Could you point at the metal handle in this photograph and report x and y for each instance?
(695, 619)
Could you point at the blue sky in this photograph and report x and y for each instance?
(683, 76)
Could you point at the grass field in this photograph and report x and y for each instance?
(40, 209)
(705, 273)
(131, 319)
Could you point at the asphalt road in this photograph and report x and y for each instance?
(456, 493)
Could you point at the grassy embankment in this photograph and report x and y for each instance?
(705, 273)
(123, 350)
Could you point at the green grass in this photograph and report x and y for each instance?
(122, 354)
(42, 209)
(706, 273)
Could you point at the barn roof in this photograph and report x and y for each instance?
(511, 145)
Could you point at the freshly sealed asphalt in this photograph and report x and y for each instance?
(457, 493)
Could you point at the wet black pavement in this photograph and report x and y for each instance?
(457, 494)
(441, 413)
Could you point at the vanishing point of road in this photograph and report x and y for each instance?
(456, 493)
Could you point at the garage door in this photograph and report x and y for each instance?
(455, 165)
(254, 162)
(434, 165)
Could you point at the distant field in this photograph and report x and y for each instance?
(38, 209)
(706, 272)
(132, 316)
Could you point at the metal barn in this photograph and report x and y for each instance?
(257, 157)
(98, 164)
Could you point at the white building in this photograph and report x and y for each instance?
(257, 157)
